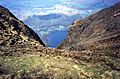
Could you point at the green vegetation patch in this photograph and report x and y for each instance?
(54, 67)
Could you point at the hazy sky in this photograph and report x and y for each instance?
(82, 3)
(24, 8)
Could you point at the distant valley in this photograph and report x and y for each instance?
(51, 26)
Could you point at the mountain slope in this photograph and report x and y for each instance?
(98, 31)
(13, 31)
(27, 59)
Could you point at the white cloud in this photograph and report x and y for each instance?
(56, 9)
(81, 2)
(65, 10)
(64, 7)
(44, 11)
(89, 2)
(43, 33)
(52, 29)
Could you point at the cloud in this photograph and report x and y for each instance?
(24, 8)
(25, 13)
(52, 29)
(64, 10)
(58, 9)
(43, 33)
(88, 3)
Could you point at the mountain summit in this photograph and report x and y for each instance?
(15, 32)
(98, 31)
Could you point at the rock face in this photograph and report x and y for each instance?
(15, 32)
(98, 31)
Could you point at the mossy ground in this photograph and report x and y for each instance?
(56, 67)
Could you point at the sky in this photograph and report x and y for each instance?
(24, 8)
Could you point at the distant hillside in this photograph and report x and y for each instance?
(47, 25)
(14, 31)
(48, 17)
(98, 31)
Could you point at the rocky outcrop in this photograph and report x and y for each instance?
(98, 31)
(14, 31)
